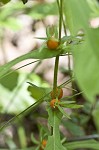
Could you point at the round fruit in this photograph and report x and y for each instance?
(52, 44)
(53, 101)
(43, 144)
(59, 93)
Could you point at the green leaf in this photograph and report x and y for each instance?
(41, 38)
(11, 23)
(73, 128)
(43, 53)
(14, 101)
(51, 114)
(30, 148)
(54, 142)
(43, 132)
(63, 112)
(22, 136)
(68, 102)
(24, 112)
(66, 38)
(10, 143)
(86, 55)
(94, 7)
(95, 114)
(91, 144)
(52, 31)
(37, 148)
(37, 92)
(72, 106)
(74, 13)
(34, 139)
(41, 10)
(5, 1)
(10, 81)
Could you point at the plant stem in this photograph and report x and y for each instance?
(60, 5)
(69, 67)
(55, 73)
(57, 57)
(68, 54)
(60, 18)
(64, 26)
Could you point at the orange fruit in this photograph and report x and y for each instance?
(52, 102)
(52, 43)
(59, 93)
(44, 142)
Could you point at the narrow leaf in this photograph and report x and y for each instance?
(36, 54)
(73, 106)
(91, 144)
(34, 140)
(67, 102)
(54, 142)
(63, 112)
(24, 112)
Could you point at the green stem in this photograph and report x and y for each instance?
(60, 5)
(68, 54)
(69, 68)
(60, 18)
(55, 73)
